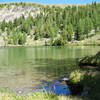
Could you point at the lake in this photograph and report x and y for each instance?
(21, 68)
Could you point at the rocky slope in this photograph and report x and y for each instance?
(9, 13)
(12, 11)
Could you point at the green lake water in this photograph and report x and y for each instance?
(21, 68)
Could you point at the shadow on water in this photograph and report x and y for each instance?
(56, 67)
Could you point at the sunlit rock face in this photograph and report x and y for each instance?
(9, 13)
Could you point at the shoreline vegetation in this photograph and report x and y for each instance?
(94, 43)
(36, 96)
(94, 40)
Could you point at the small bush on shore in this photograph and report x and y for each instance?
(58, 42)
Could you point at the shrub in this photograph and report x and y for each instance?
(36, 37)
(58, 42)
(21, 38)
(77, 76)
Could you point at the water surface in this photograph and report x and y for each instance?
(21, 68)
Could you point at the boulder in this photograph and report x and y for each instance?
(92, 61)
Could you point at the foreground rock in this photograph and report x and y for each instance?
(90, 61)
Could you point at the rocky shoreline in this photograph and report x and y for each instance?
(90, 62)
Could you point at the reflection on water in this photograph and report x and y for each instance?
(21, 68)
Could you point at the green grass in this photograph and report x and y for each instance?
(36, 96)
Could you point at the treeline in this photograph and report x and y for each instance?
(20, 4)
(71, 22)
(59, 24)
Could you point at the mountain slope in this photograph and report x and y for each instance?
(29, 23)
(11, 12)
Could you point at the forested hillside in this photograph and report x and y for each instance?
(55, 24)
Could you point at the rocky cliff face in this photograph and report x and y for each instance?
(9, 13)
